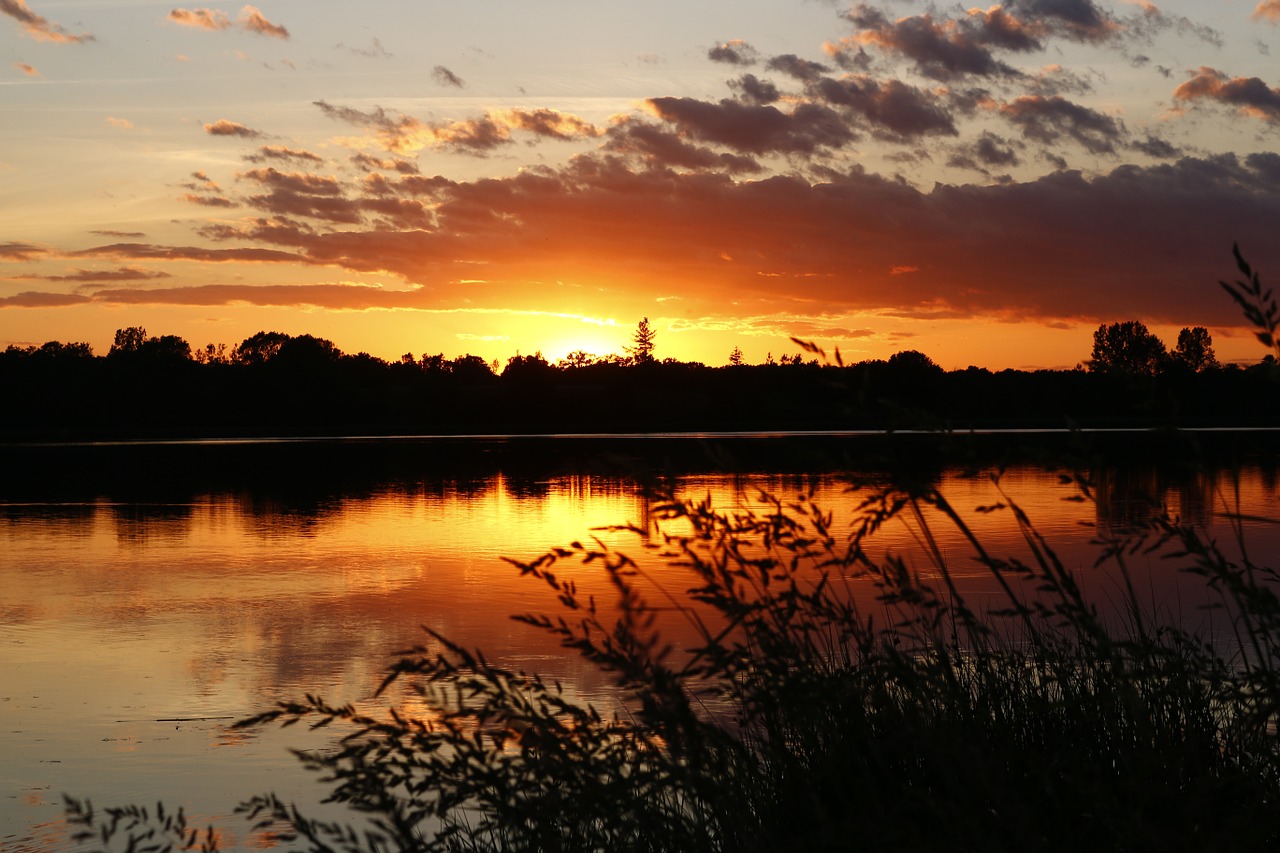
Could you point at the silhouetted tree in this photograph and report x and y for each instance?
(641, 350)
(260, 348)
(577, 358)
(128, 340)
(1195, 349)
(1127, 348)
(471, 368)
(735, 357)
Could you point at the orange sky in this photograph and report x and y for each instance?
(984, 185)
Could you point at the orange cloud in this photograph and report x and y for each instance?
(1268, 10)
(1250, 95)
(38, 27)
(225, 127)
(29, 70)
(250, 20)
(122, 123)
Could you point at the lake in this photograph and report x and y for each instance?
(152, 595)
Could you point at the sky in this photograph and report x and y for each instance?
(983, 184)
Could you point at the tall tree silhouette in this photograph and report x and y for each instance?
(641, 349)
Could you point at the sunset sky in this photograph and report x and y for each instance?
(985, 184)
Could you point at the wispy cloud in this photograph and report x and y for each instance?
(39, 27)
(122, 123)
(29, 70)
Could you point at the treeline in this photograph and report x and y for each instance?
(278, 384)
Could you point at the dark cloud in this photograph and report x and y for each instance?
(225, 127)
(108, 232)
(151, 252)
(1250, 95)
(794, 66)
(734, 52)
(39, 27)
(661, 148)
(948, 49)
(988, 151)
(1048, 119)
(754, 90)
(21, 251)
(91, 276)
(1081, 20)
(445, 77)
(1153, 146)
(296, 182)
(891, 105)
(755, 129)
(1062, 246)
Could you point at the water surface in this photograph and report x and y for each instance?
(134, 628)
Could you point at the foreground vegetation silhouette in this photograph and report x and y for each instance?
(829, 700)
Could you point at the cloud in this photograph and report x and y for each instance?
(948, 49)
(1081, 20)
(661, 148)
(250, 20)
(208, 200)
(367, 163)
(445, 77)
(38, 27)
(281, 152)
(375, 50)
(35, 299)
(1048, 119)
(151, 252)
(225, 127)
(755, 129)
(1267, 10)
(755, 91)
(107, 232)
(892, 106)
(1250, 95)
(734, 52)
(29, 70)
(21, 251)
(794, 66)
(122, 123)
(81, 276)
(204, 19)
(478, 136)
